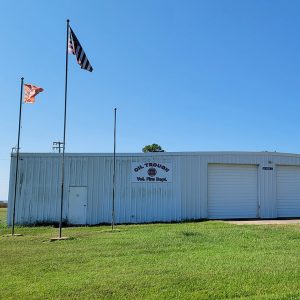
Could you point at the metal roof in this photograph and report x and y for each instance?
(263, 153)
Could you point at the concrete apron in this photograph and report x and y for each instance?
(265, 222)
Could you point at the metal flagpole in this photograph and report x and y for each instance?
(64, 140)
(17, 163)
(114, 173)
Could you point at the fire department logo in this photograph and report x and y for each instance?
(152, 172)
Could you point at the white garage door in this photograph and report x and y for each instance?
(288, 191)
(232, 191)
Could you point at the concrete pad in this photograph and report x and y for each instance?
(265, 222)
(63, 238)
(13, 235)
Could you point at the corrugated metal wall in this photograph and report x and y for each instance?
(134, 202)
(185, 198)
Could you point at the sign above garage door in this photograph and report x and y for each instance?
(156, 172)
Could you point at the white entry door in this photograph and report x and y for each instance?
(232, 191)
(77, 204)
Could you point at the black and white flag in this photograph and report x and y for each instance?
(76, 49)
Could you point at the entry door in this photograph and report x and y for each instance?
(77, 204)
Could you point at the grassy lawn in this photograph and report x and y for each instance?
(3, 216)
(207, 260)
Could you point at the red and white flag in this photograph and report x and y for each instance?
(30, 92)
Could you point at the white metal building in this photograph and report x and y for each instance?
(157, 187)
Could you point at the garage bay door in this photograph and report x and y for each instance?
(288, 191)
(232, 191)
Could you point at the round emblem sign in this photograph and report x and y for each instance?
(152, 172)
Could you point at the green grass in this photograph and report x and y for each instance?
(206, 260)
(3, 217)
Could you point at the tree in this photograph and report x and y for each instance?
(153, 148)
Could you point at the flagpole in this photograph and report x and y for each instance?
(64, 140)
(17, 163)
(114, 173)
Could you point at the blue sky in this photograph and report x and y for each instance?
(188, 75)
